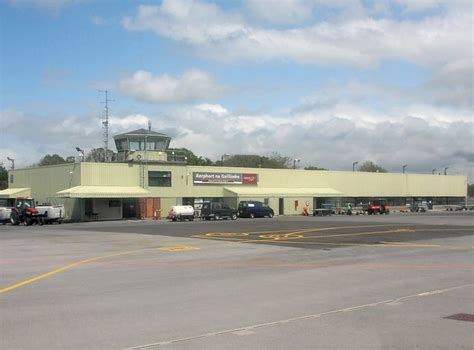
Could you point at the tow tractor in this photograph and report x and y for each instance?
(378, 206)
(21, 211)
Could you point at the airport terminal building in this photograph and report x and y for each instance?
(146, 181)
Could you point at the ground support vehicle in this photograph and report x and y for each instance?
(181, 213)
(253, 209)
(418, 208)
(217, 211)
(51, 213)
(322, 212)
(378, 206)
(24, 212)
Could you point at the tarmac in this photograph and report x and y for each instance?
(339, 282)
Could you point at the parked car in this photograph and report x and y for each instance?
(253, 209)
(217, 211)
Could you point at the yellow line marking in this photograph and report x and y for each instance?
(178, 248)
(317, 229)
(70, 266)
(227, 234)
(402, 230)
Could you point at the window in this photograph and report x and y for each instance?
(137, 146)
(159, 178)
(11, 178)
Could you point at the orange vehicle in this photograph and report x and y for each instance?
(378, 206)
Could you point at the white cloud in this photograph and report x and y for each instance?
(280, 11)
(334, 136)
(192, 85)
(453, 84)
(360, 42)
(331, 135)
(128, 123)
(215, 109)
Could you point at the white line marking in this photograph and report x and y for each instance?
(250, 328)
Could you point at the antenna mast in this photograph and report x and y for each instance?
(105, 123)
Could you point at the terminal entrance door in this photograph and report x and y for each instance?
(149, 208)
(130, 208)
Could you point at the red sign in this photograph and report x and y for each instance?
(250, 179)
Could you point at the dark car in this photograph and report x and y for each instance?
(253, 209)
(217, 211)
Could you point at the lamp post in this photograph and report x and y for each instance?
(404, 167)
(81, 153)
(296, 160)
(13, 162)
(445, 173)
(354, 166)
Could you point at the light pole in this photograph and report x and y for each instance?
(81, 153)
(404, 167)
(354, 166)
(296, 160)
(13, 162)
(445, 173)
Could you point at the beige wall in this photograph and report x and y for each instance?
(46, 181)
(351, 184)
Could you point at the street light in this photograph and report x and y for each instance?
(296, 160)
(354, 166)
(13, 162)
(81, 153)
(404, 167)
(445, 173)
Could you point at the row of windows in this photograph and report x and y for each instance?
(140, 145)
(159, 178)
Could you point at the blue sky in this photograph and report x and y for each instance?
(329, 82)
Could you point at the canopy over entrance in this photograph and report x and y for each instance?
(104, 192)
(15, 193)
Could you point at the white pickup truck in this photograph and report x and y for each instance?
(51, 213)
(5, 215)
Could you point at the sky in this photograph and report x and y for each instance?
(329, 82)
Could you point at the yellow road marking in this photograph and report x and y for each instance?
(70, 266)
(227, 234)
(402, 230)
(319, 229)
(179, 248)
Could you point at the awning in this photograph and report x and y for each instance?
(15, 193)
(281, 192)
(104, 192)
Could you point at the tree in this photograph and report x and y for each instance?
(371, 167)
(3, 177)
(51, 160)
(314, 168)
(97, 155)
(275, 161)
(191, 158)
